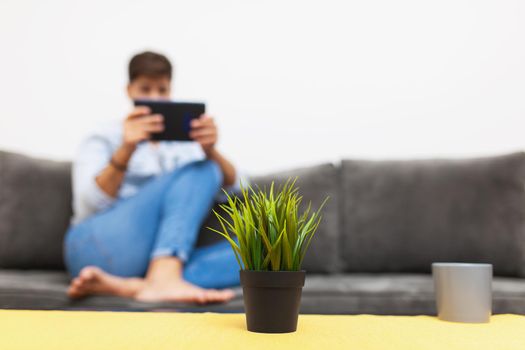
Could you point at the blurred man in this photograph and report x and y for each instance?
(139, 205)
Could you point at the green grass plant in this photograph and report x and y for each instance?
(265, 229)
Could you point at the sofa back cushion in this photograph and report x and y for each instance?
(35, 208)
(400, 216)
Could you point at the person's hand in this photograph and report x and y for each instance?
(140, 124)
(204, 131)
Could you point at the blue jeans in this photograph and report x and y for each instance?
(163, 219)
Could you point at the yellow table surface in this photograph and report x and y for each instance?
(128, 330)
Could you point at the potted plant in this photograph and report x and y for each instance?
(270, 239)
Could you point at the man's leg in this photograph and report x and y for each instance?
(109, 252)
(213, 266)
(186, 205)
(120, 240)
(155, 222)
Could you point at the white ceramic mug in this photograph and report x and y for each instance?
(463, 291)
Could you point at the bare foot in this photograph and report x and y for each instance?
(182, 291)
(92, 280)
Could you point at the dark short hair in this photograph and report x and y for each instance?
(149, 64)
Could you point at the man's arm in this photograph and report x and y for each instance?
(204, 131)
(137, 127)
(228, 170)
(111, 177)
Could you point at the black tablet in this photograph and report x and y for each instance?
(177, 118)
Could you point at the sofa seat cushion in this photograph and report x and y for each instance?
(400, 216)
(383, 294)
(46, 290)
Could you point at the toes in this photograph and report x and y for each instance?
(184, 292)
(74, 289)
(202, 297)
(228, 293)
(224, 293)
(226, 296)
(211, 296)
(81, 284)
(76, 283)
(84, 277)
(88, 273)
(214, 295)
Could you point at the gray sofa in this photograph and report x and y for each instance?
(385, 223)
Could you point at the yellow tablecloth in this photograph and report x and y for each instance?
(124, 330)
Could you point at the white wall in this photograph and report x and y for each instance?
(290, 82)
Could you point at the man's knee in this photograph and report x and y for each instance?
(208, 169)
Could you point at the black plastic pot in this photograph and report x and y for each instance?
(272, 300)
